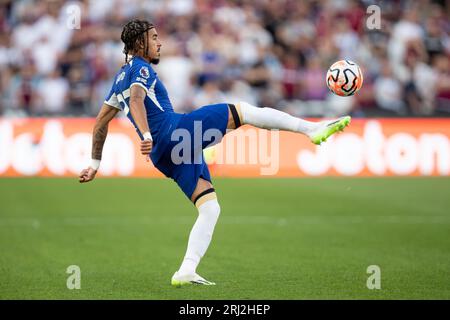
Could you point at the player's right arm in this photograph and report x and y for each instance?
(106, 114)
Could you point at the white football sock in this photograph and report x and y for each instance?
(201, 234)
(268, 118)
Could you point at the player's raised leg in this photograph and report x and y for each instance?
(268, 118)
(205, 199)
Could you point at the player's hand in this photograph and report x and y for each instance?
(146, 148)
(87, 175)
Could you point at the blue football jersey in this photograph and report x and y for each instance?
(161, 117)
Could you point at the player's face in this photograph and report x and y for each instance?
(154, 46)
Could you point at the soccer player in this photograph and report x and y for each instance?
(140, 94)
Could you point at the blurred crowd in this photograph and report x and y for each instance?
(59, 57)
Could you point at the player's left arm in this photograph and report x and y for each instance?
(139, 114)
(106, 114)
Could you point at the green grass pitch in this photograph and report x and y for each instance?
(309, 238)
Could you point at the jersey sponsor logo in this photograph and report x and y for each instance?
(144, 72)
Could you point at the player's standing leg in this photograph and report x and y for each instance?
(205, 199)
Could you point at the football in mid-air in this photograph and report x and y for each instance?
(344, 78)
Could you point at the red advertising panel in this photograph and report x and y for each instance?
(369, 147)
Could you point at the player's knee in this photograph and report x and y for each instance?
(210, 208)
(216, 209)
(256, 116)
(247, 111)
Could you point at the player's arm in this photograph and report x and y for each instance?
(106, 114)
(139, 114)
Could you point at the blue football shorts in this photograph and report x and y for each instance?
(194, 124)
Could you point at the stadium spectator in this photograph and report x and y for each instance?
(388, 91)
(52, 94)
(441, 64)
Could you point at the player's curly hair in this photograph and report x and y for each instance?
(133, 36)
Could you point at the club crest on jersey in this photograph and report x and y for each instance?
(144, 72)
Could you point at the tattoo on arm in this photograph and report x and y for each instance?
(98, 140)
(105, 115)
